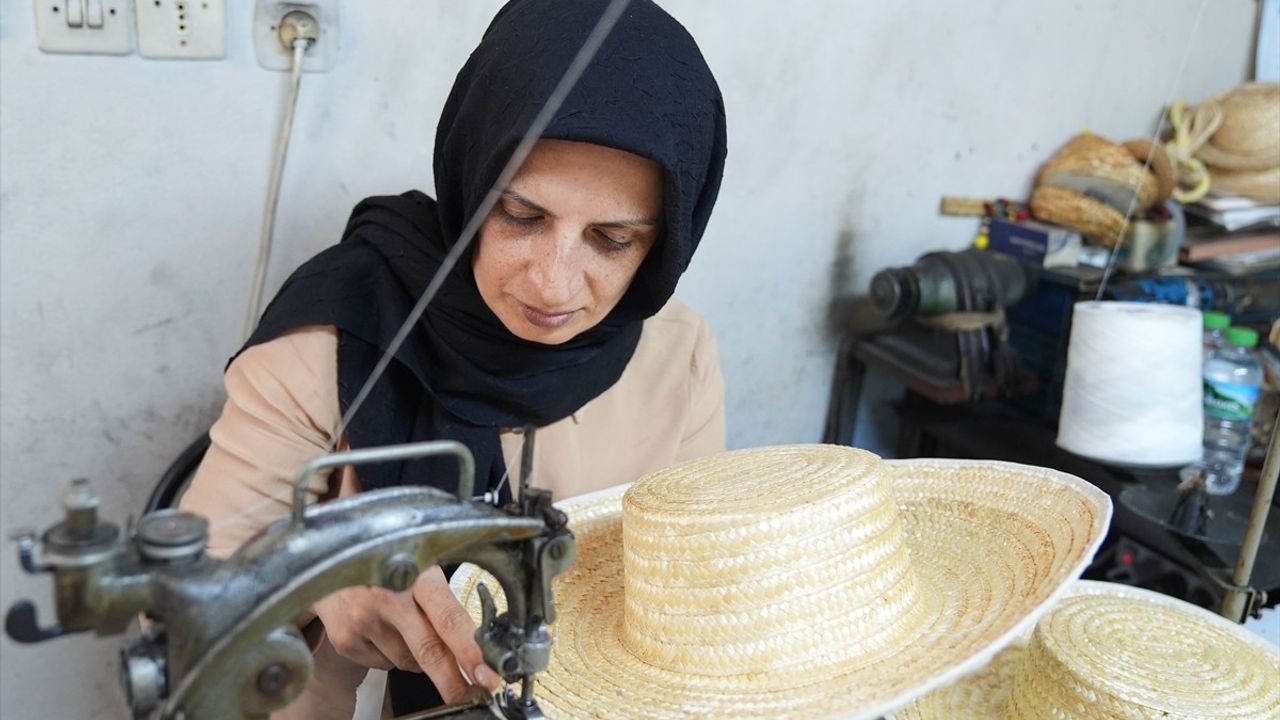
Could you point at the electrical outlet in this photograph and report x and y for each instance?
(182, 29)
(99, 27)
(271, 52)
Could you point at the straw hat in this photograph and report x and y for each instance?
(1089, 184)
(1144, 150)
(1093, 156)
(1113, 651)
(1237, 135)
(1079, 212)
(1261, 185)
(803, 581)
(1248, 137)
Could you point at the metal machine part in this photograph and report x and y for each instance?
(947, 282)
(222, 643)
(951, 344)
(171, 535)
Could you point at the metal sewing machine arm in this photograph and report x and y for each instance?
(223, 643)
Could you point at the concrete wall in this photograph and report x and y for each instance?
(131, 192)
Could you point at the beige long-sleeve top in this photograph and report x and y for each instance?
(282, 410)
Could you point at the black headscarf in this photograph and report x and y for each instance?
(461, 374)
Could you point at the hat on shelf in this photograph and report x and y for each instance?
(1236, 134)
(1091, 184)
(803, 581)
(1248, 136)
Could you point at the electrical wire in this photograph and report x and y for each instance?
(300, 46)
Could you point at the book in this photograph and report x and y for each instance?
(1244, 263)
(1232, 212)
(1218, 202)
(1197, 249)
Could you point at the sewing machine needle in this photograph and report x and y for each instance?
(526, 459)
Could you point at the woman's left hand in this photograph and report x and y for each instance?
(423, 629)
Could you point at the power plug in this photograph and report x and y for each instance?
(274, 54)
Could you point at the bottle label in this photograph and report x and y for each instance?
(1229, 401)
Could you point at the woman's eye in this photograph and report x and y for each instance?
(610, 242)
(519, 218)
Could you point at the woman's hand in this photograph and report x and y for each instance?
(423, 629)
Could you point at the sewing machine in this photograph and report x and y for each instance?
(948, 340)
(221, 643)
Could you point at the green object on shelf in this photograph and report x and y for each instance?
(1216, 320)
(1244, 337)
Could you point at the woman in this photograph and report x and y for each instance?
(562, 319)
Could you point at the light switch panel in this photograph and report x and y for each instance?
(97, 27)
(182, 29)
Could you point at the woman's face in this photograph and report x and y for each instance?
(562, 245)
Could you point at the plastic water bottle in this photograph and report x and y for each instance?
(1215, 331)
(1232, 380)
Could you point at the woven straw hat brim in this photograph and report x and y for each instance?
(1114, 651)
(1261, 185)
(1078, 212)
(993, 545)
(1218, 159)
(1249, 137)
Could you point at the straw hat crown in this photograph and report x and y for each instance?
(1115, 652)
(724, 579)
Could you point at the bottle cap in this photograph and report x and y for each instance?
(1216, 320)
(1244, 337)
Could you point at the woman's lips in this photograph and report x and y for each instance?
(545, 319)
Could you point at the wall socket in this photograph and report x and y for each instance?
(184, 29)
(273, 55)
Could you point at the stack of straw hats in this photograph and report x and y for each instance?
(1090, 183)
(1243, 153)
(1112, 651)
(804, 581)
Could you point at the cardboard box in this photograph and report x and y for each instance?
(1035, 242)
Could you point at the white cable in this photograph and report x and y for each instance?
(273, 188)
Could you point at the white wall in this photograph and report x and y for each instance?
(131, 192)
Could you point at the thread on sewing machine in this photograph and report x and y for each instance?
(1132, 394)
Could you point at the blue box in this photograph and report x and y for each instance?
(1035, 242)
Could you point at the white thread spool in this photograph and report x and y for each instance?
(1133, 392)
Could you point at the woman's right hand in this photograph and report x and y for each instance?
(423, 629)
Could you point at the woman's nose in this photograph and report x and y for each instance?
(556, 270)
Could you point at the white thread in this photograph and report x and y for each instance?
(493, 497)
(1146, 164)
(1133, 386)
